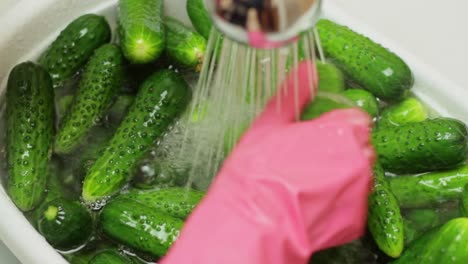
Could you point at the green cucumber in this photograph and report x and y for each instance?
(464, 202)
(411, 234)
(141, 30)
(159, 174)
(324, 103)
(364, 100)
(139, 227)
(411, 254)
(176, 201)
(448, 245)
(119, 108)
(110, 257)
(429, 189)
(30, 127)
(75, 44)
(377, 69)
(184, 46)
(65, 224)
(430, 145)
(331, 79)
(200, 17)
(162, 98)
(99, 85)
(63, 105)
(356, 252)
(384, 217)
(410, 110)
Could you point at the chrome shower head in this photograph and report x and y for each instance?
(264, 23)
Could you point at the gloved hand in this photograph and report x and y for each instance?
(287, 190)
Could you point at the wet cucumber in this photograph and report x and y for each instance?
(110, 257)
(30, 126)
(63, 105)
(200, 17)
(159, 102)
(120, 107)
(464, 202)
(411, 254)
(430, 145)
(377, 69)
(176, 201)
(385, 221)
(184, 46)
(410, 110)
(330, 78)
(159, 174)
(429, 189)
(364, 100)
(141, 30)
(75, 44)
(98, 87)
(65, 224)
(139, 227)
(447, 245)
(324, 103)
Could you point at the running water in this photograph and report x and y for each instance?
(236, 82)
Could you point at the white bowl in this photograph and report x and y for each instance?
(30, 26)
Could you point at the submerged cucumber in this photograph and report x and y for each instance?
(424, 146)
(159, 174)
(178, 202)
(140, 227)
(364, 100)
(99, 85)
(200, 17)
(429, 189)
(324, 103)
(185, 47)
(63, 105)
(330, 78)
(384, 217)
(141, 30)
(75, 44)
(411, 255)
(160, 100)
(410, 110)
(65, 224)
(30, 126)
(464, 202)
(119, 108)
(377, 69)
(110, 257)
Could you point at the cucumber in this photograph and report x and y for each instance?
(200, 17)
(324, 103)
(384, 217)
(62, 107)
(73, 47)
(141, 30)
(356, 252)
(159, 174)
(364, 100)
(421, 147)
(184, 46)
(65, 224)
(447, 245)
(411, 255)
(120, 108)
(30, 127)
(139, 227)
(110, 257)
(331, 79)
(176, 201)
(99, 85)
(429, 189)
(377, 69)
(411, 234)
(160, 100)
(410, 110)
(464, 202)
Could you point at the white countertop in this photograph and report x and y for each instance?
(430, 29)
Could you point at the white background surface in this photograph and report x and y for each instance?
(434, 31)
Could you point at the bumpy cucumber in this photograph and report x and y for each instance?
(119, 108)
(410, 110)
(364, 100)
(200, 17)
(140, 227)
(109, 257)
(384, 217)
(377, 69)
(176, 201)
(160, 100)
(447, 245)
(75, 44)
(331, 79)
(464, 202)
(63, 105)
(424, 146)
(99, 85)
(184, 46)
(30, 126)
(429, 189)
(65, 224)
(411, 255)
(324, 103)
(141, 30)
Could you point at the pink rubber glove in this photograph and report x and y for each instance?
(287, 190)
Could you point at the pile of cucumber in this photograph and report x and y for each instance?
(81, 120)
